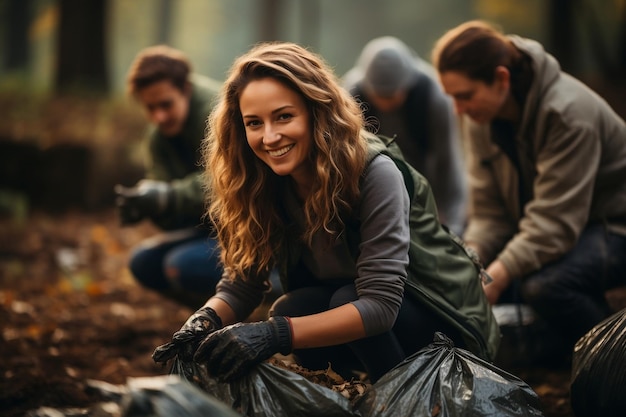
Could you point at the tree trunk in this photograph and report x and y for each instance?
(310, 23)
(270, 19)
(16, 34)
(621, 63)
(82, 64)
(164, 21)
(561, 32)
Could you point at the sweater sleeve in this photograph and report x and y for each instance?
(242, 296)
(384, 245)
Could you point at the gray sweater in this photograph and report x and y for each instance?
(378, 266)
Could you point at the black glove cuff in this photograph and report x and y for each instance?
(213, 317)
(282, 329)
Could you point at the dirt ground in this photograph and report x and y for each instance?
(70, 312)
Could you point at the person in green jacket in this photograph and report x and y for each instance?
(547, 168)
(296, 183)
(182, 262)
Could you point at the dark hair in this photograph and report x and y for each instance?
(158, 63)
(476, 48)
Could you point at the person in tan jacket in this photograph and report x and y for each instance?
(547, 172)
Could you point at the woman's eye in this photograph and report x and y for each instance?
(253, 123)
(285, 116)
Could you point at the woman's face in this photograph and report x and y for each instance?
(166, 106)
(480, 101)
(278, 128)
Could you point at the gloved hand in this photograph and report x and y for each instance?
(148, 199)
(186, 340)
(230, 352)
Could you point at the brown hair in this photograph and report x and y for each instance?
(242, 190)
(158, 63)
(476, 48)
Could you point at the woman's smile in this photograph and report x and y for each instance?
(281, 151)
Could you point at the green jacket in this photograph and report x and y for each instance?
(165, 163)
(442, 274)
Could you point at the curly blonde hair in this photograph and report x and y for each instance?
(242, 190)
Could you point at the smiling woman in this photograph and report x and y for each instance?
(296, 184)
(278, 130)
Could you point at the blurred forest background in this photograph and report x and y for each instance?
(69, 309)
(68, 133)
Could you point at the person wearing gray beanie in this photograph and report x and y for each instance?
(401, 97)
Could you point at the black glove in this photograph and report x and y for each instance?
(148, 199)
(186, 340)
(231, 352)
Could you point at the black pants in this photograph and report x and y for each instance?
(414, 329)
(569, 294)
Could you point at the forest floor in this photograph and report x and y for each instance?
(71, 312)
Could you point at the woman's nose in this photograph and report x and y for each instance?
(271, 135)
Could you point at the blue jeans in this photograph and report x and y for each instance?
(414, 329)
(569, 294)
(186, 260)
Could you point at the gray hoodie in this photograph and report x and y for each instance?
(425, 125)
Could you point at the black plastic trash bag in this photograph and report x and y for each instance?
(269, 391)
(444, 381)
(159, 396)
(598, 382)
(170, 396)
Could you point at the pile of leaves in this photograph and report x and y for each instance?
(326, 378)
